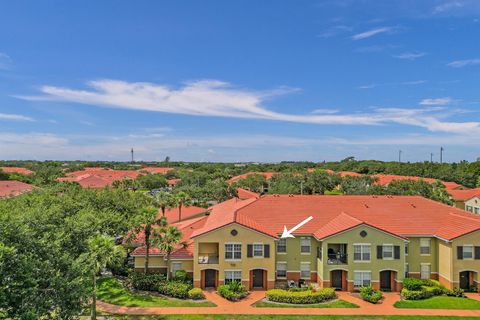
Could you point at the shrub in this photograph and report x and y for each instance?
(456, 292)
(412, 294)
(145, 281)
(412, 284)
(301, 297)
(196, 294)
(370, 294)
(174, 289)
(233, 291)
(181, 275)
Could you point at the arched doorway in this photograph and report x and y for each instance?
(467, 279)
(258, 279)
(209, 279)
(387, 280)
(338, 279)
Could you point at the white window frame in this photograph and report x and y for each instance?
(283, 240)
(472, 251)
(469, 208)
(234, 251)
(302, 245)
(429, 246)
(362, 278)
(281, 263)
(174, 270)
(383, 251)
(429, 270)
(363, 252)
(232, 275)
(476, 210)
(302, 276)
(261, 250)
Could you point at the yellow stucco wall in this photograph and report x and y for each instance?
(153, 262)
(445, 263)
(464, 264)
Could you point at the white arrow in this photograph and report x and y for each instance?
(288, 233)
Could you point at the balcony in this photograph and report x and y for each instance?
(337, 254)
(208, 253)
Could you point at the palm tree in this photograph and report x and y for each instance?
(164, 200)
(146, 222)
(182, 199)
(102, 251)
(167, 241)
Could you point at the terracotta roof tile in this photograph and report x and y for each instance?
(267, 175)
(16, 170)
(172, 214)
(462, 195)
(12, 188)
(246, 194)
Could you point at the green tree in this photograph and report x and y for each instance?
(164, 200)
(101, 252)
(253, 182)
(182, 199)
(167, 240)
(152, 181)
(127, 184)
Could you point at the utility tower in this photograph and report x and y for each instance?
(131, 151)
(441, 154)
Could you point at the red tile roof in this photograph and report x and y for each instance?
(155, 170)
(246, 194)
(98, 177)
(12, 188)
(267, 175)
(398, 215)
(16, 170)
(173, 182)
(172, 214)
(462, 195)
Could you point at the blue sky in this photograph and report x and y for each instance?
(240, 80)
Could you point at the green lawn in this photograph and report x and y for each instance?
(111, 290)
(331, 304)
(440, 302)
(282, 317)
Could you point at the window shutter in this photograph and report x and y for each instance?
(379, 252)
(396, 252)
(249, 250)
(477, 253)
(266, 251)
(459, 252)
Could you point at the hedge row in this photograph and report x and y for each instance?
(301, 297)
(418, 289)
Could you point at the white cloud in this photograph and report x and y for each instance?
(334, 31)
(463, 63)
(371, 33)
(436, 101)
(325, 111)
(410, 55)
(5, 61)
(15, 117)
(216, 98)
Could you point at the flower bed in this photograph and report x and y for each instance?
(301, 297)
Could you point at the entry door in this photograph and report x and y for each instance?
(258, 278)
(464, 280)
(385, 281)
(210, 277)
(337, 279)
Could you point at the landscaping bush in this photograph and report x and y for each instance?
(174, 289)
(412, 294)
(181, 275)
(370, 294)
(412, 284)
(145, 281)
(456, 292)
(301, 297)
(233, 291)
(196, 294)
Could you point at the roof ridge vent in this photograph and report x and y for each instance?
(366, 205)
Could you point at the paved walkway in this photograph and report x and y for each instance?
(244, 307)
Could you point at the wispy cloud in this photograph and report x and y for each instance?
(463, 63)
(216, 98)
(436, 101)
(335, 31)
(325, 111)
(448, 6)
(410, 55)
(14, 117)
(403, 83)
(5, 61)
(371, 33)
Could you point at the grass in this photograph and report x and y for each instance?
(112, 291)
(330, 304)
(440, 302)
(282, 317)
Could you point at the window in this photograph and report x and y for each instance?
(281, 269)
(387, 251)
(469, 208)
(425, 271)
(282, 246)
(467, 252)
(406, 270)
(305, 245)
(233, 251)
(258, 249)
(175, 267)
(362, 278)
(361, 252)
(425, 246)
(476, 210)
(305, 270)
(406, 248)
(233, 275)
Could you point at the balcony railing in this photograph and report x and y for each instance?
(207, 259)
(337, 258)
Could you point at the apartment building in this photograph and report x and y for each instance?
(351, 241)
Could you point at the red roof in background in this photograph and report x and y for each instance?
(12, 188)
(246, 194)
(384, 179)
(16, 170)
(173, 182)
(172, 214)
(452, 185)
(344, 173)
(267, 175)
(155, 170)
(462, 195)
(398, 215)
(98, 177)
